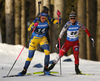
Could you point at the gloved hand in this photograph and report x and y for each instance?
(57, 45)
(58, 13)
(36, 24)
(92, 40)
(34, 27)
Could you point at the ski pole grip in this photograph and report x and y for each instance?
(36, 24)
(58, 13)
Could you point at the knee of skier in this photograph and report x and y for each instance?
(29, 59)
(61, 53)
(47, 52)
(30, 56)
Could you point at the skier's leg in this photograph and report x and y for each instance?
(76, 56)
(45, 46)
(29, 58)
(32, 48)
(63, 50)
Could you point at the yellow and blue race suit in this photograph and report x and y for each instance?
(39, 37)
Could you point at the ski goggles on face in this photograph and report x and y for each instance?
(43, 18)
(44, 14)
(73, 18)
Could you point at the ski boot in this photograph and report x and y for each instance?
(46, 71)
(77, 69)
(52, 66)
(23, 72)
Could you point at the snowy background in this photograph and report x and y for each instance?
(8, 54)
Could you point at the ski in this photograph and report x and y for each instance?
(41, 72)
(83, 74)
(15, 76)
(47, 75)
(11, 76)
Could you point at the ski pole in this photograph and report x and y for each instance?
(36, 24)
(15, 60)
(58, 13)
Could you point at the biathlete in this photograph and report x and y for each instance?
(72, 40)
(39, 37)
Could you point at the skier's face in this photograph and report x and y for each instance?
(43, 19)
(73, 19)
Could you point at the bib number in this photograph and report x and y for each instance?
(40, 31)
(72, 34)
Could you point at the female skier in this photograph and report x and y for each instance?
(72, 40)
(39, 37)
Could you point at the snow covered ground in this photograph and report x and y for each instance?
(8, 54)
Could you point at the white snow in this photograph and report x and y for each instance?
(9, 53)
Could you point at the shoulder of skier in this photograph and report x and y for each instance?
(37, 19)
(81, 26)
(67, 25)
(64, 29)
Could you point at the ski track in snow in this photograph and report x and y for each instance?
(9, 53)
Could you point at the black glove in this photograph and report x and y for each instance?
(92, 40)
(57, 45)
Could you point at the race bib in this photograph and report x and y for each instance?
(40, 30)
(72, 34)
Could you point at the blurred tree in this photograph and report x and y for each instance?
(51, 8)
(32, 10)
(46, 3)
(51, 25)
(98, 32)
(81, 14)
(58, 5)
(17, 21)
(91, 26)
(9, 13)
(2, 20)
(41, 6)
(23, 22)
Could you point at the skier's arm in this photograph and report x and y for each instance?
(63, 30)
(87, 32)
(31, 27)
(54, 21)
(62, 33)
(85, 29)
